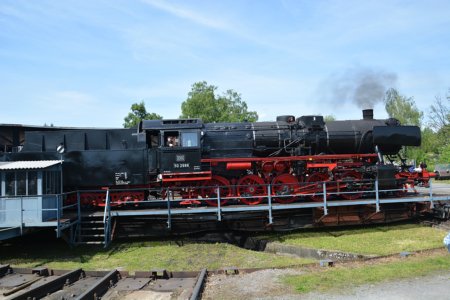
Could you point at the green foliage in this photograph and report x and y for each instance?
(374, 240)
(137, 114)
(202, 102)
(444, 154)
(329, 118)
(440, 122)
(405, 110)
(440, 115)
(142, 256)
(428, 152)
(402, 108)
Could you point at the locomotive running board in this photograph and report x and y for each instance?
(191, 176)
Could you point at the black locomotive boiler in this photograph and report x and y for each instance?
(197, 161)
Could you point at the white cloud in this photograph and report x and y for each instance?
(187, 14)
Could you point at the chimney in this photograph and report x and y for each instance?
(367, 114)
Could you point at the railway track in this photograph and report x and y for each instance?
(45, 283)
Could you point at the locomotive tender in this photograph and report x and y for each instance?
(238, 160)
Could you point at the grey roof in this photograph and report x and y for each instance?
(168, 124)
(28, 164)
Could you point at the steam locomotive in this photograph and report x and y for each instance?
(241, 162)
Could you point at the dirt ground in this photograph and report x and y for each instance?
(436, 287)
(256, 285)
(265, 284)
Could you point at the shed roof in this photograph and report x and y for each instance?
(28, 164)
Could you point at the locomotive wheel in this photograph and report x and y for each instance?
(317, 179)
(190, 194)
(284, 184)
(251, 186)
(349, 178)
(210, 187)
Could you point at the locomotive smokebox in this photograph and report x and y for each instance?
(367, 114)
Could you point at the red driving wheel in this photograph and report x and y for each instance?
(251, 189)
(211, 187)
(317, 179)
(351, 179)
(283, 185)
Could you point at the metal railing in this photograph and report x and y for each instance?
(33, 211)
(168, 201)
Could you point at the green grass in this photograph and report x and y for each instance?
(373, 240)
(141, 256)
(343, 277)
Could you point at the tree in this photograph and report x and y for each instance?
(444, 154)
(402, 108)
(439, 120)
(202, 102)
(405, 110)
(428, 150)
(329, 118)
(439, 114)
(138, 113)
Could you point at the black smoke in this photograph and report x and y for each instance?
(362, 86)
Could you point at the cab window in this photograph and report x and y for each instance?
(152, 139)
(171, 139)
(189, 139)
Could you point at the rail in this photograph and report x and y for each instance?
(42, 282)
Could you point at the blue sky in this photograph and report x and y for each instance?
(83, 63)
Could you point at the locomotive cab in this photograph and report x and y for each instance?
(180, 151)
(174, 148)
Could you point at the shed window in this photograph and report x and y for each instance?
(21, 181)
(51, 182)
(10, 184)
(32, 183)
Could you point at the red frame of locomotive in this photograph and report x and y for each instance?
(341, 173)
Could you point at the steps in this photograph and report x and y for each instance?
(92, 231)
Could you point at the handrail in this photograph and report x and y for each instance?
(21, 215)
(169, 215)
(107, 220)
(58, 218)
(106, 205)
